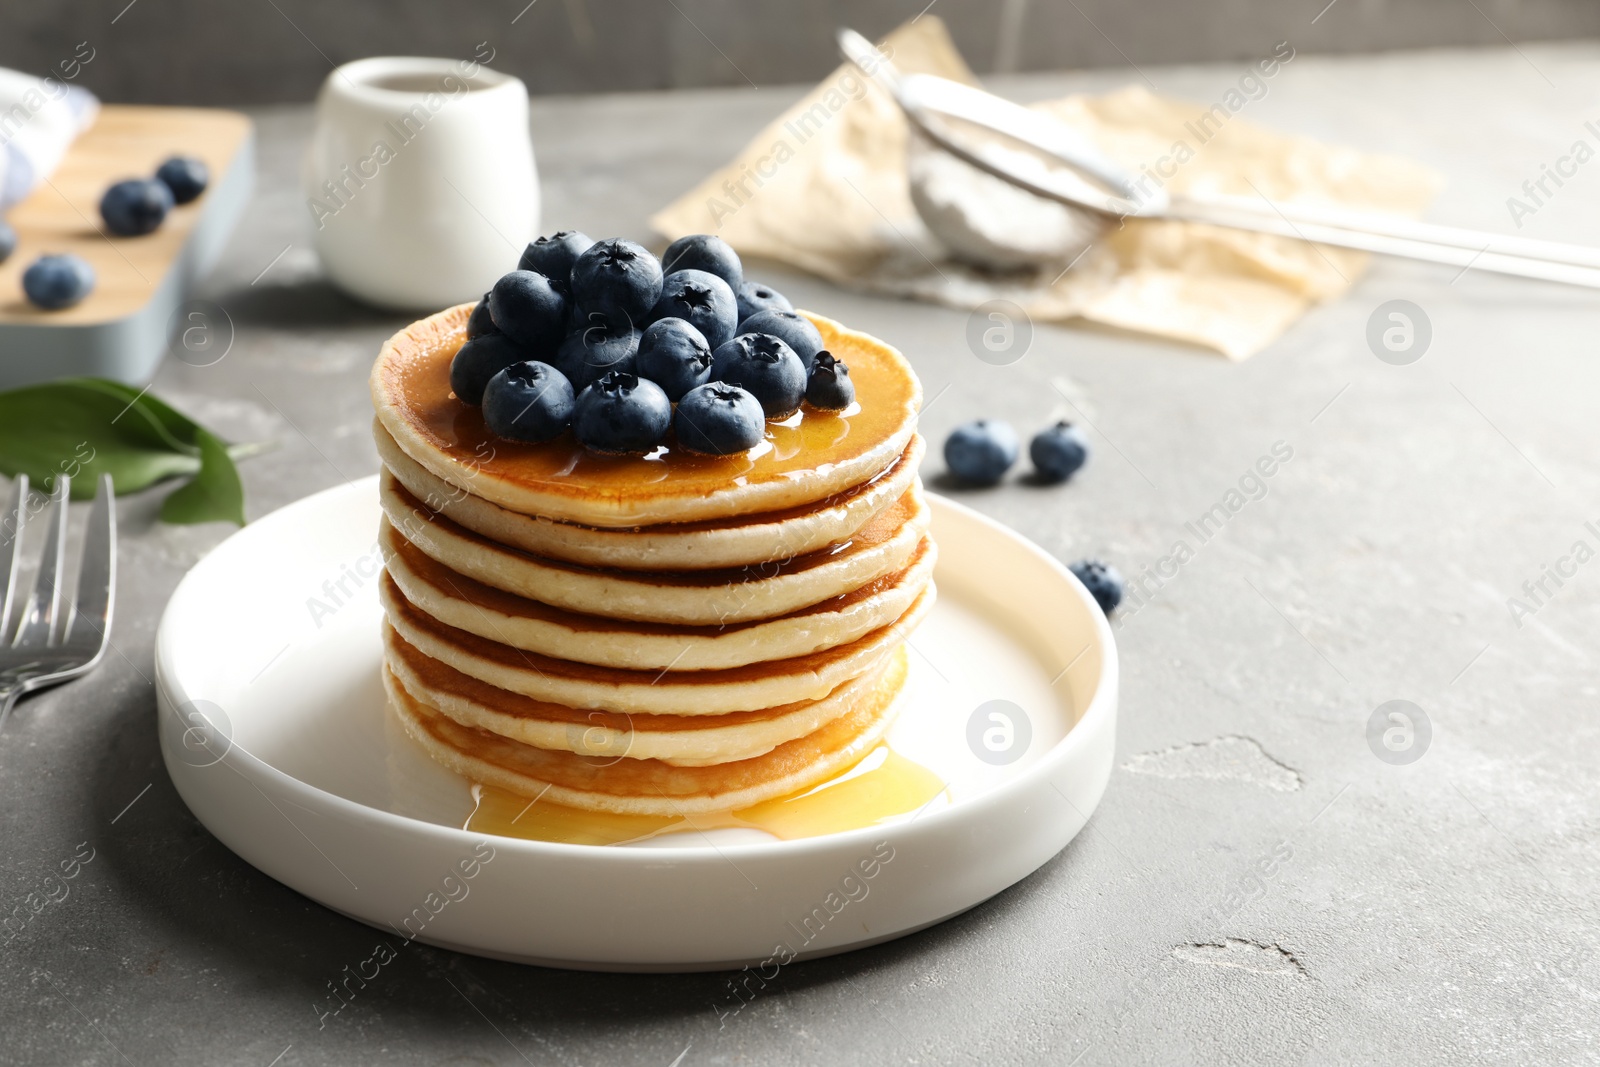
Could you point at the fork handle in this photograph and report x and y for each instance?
(8, 700)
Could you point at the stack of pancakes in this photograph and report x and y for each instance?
(662, 635)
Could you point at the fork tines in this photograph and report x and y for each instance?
(45, 622)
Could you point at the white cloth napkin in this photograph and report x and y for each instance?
(39, 119)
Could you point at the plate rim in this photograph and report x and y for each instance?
(1102, 705)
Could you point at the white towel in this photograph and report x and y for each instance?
(39, 119)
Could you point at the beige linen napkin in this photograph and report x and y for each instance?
(824, 188)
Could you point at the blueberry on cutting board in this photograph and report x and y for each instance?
(56, 282)
(135, 207)
(185, 177)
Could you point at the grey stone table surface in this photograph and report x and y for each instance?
(1257, 884)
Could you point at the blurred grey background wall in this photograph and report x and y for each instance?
(238, 52)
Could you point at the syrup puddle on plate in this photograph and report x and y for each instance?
(883, 785)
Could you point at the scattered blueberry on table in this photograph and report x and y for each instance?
(981, 452)
(1058, 451)
(1102, 581)
(8, 240)
(718, 419)
(135, 206)
(528, 401)
(763, 364)
(185, 177)
(621, 413)
(829, 388)
(57, 281)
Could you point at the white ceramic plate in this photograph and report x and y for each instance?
(274, 730)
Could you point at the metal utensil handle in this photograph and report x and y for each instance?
(1386, 244)
(8, 700)
(1477, 241)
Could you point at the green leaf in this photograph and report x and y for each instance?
(183, 430)
(84, 431)
(86, 427)
(215, 494)
(179, 428)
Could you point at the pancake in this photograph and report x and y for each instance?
(676, 546)
(807, 458)
(648, 786)
(670, 692)
(883, 546)
(682, 740)
(491, 613)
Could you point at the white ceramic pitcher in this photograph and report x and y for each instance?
(420, 179)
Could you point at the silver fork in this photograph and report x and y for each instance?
(53, 643)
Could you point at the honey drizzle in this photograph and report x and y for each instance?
(883, 785)
(799, 446)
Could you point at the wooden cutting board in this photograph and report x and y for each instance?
(121, 329)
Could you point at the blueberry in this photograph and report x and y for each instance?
(619, 280)
(794, 329)
(480, 321)
(554, 256)
(754, 297)
(185, 177)
(1058, 451)
(135, 207)
(829, 387)
(674, 355)
(719, 419)
(479, 360)
(702, 251)
(981, 452)
(621, 413)
(1102, 581)
(703, 300)
(765, 366)
(528, 401)
(589, 353)
(528, 309)
(55, 282)
(8, 240)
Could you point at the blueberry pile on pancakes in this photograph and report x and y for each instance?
(667, 568)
